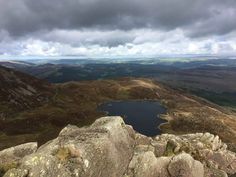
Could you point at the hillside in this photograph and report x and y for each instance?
(76, 103)
(20, 92)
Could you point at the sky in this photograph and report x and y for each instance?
(116, 28)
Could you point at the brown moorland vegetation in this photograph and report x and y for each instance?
(77, 102)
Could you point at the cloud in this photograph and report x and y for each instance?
(88, 37)
(220, 23)
(164, 44)
(20, 17)
(100, 27)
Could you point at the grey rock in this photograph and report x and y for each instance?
(206, 148)
(18, 152)
(103, 149)
(146, 164)
(44, 165)
(213, 172)
(109, 148)
(10, 158)
(184, 165)
(142, 139)
(160, 148)
(224, 160)
(16, 173)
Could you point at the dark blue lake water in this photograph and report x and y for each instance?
(142, 115)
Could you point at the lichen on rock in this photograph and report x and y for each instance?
(10, 158)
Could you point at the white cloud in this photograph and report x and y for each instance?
(137, 43)
(39, 48)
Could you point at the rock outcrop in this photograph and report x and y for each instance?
(109, 148)
(11, 157)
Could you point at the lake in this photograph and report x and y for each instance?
(142, 115)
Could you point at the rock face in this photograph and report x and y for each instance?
(109, 148)
(10, 158)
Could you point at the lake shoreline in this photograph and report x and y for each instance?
(144, 115)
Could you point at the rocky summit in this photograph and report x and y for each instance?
(110, 148)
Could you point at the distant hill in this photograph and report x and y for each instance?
(16, 64)
(217, 75)
(213, 79)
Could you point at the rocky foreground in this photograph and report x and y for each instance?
(109, 148)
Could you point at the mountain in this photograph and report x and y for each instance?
(16, 64)
(60, 73)
(109, 147)
(40, 113)
(214, 75)
(33, 110)
(212, 79)
(20, 91)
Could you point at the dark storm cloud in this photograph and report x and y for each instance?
(197, 17)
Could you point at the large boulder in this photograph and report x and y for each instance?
(10, 158)
(204, 147)
(147, 164)
(102, 150)
(109, 148)
(185, 166)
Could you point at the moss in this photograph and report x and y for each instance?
(7, 166)
(63, 154)
(170, 149)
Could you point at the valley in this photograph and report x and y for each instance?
(77, 102)
(109, 88)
